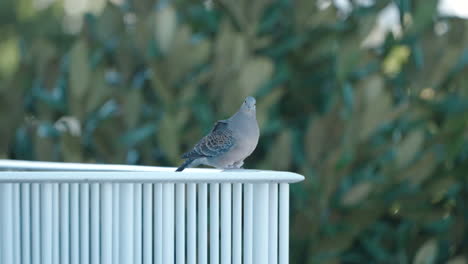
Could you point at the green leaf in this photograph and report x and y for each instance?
(408, 148)
(10, 54)
(110, 23)
(421, 169)
(427, 253)
(264, 104)
(138, 135)
(280, 154)
(101, 91)
(165, 27)
(357, 194)
(132, 107)
(80, 74)
(254, 74)
(376, 104)
(168, 138)
(315, 138)
(71, 147)
(457, 260)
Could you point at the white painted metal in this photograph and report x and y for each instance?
(226, 230)
(180, 223)
(214, 223)
(147, 223)
(273, 225)
(35, 224)
(158, 223)
(137, 226)
(94, 222)
(237, 223)
(84, 223)
(202, 223)
(46, 223)
(248, 223)
(115, 223)
(6, 228)
(284, 224)
(64, 204)
(55, 224)
(168, 224)
(191, 223)
(260, 223)
(80, 213)
(210, 176)
(106, 223)
(25, 223)
(126, 223)
(16, 224)
(74, 224)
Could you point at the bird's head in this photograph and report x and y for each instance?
(249, 105)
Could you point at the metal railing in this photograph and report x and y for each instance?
(88, 213)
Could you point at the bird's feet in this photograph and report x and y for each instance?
(239, 164)
(235, 165)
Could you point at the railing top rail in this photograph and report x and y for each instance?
(15, 171)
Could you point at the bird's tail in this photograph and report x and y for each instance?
(184, 165)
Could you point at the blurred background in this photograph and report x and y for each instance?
(367, 99)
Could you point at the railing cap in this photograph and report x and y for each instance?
(15, 171)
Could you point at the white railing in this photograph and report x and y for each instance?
(81, 213)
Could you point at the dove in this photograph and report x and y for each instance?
(229, 142)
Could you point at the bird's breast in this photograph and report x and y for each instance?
(248, 139)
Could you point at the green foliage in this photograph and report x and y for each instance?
(379, 132)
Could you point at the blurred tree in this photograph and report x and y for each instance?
(377, 124)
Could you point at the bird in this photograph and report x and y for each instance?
(229, 142)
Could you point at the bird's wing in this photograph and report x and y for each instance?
(220, 140)
(220, 124)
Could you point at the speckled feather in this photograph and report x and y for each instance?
(217, 142)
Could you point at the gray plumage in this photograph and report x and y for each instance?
(229, 142)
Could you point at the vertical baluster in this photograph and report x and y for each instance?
(191, 223)
(137, 223)
(214, 223)
(106, 223)
(180, 226)
(84, 223)
(158, 220)
(46, 223)
(237, 224)
(115, 223)
(168, 223)
(74, 224)
(126, 223)
(147, 223)
(273, 224)
(284, 223)
(95, 230)
(260, 221)
(2, 213)
(25, 223)
(248, 223)
(64, 223)
(202, 223)
(36, 223)
(226, 219)
(6, 223)
(16, 224)
(55, 224)
(1, 224)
